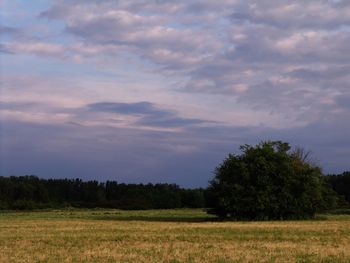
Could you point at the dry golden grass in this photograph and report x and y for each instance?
(167, 236)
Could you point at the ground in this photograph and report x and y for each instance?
(167, 236)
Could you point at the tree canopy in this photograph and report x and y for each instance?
(268, 181)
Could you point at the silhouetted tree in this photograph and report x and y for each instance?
(268, 181)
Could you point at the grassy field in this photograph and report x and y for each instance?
(167, 236)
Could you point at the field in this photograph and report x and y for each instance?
(167, 236)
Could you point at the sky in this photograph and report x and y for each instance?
(142, 91)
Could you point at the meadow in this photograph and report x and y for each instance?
(184, 235)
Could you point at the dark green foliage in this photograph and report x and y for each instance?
(268, 181)
(193, 198)
(340, 183)
(30, 192)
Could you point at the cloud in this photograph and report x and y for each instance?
(148, 113)
(98, 152)
(138, 108)
(37, 48)
(156, 80)
(169, 122)
(187, 157)
(114, 114)
(343, 101)
(294, 14)
(8, 30)
(153, 31)
(246, 50)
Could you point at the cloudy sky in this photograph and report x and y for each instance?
(161, 91)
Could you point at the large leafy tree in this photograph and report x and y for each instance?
(268, 181)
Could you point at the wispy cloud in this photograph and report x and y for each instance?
(148, 113)
(138, 108)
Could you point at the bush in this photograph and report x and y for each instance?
(268, 181)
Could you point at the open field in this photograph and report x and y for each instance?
(167, 236)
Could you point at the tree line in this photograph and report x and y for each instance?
(340, 183)
(31, 192)
(266, 181)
